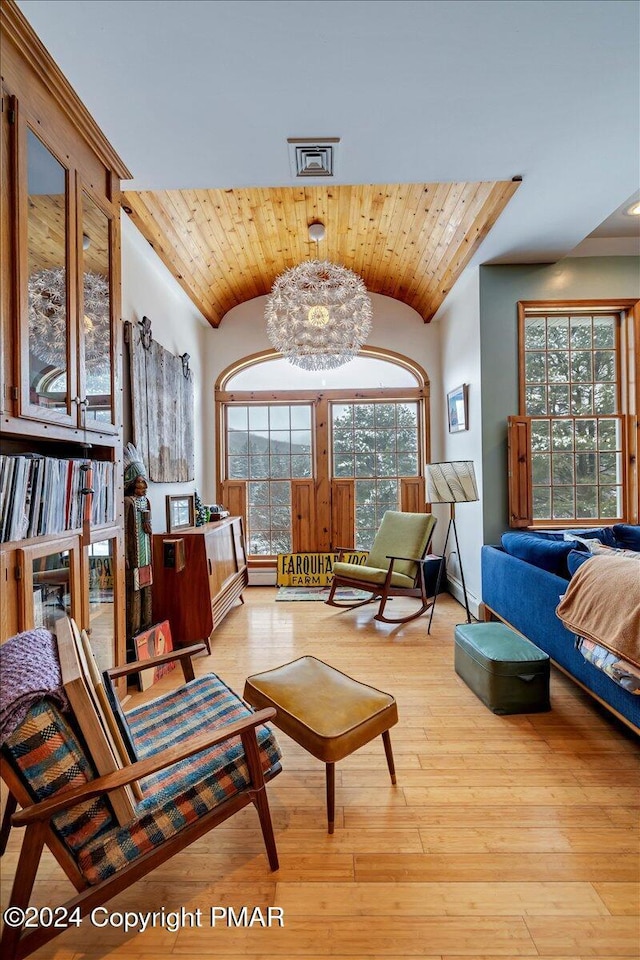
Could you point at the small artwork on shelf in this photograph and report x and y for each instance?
(152, 643)
(180, 512)
(458, 409)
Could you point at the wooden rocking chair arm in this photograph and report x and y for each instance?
(45, 809)
(137, 665)
(409, 559)
(342, 550)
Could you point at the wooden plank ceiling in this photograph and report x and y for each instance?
(408, 241)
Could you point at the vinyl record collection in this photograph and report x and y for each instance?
(44, 495)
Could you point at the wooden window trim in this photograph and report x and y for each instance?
(628, 400)
(589, 308)
(375, 353)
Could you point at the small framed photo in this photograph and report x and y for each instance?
(180, 512)
(458, 409)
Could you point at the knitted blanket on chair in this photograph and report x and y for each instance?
(29, 672)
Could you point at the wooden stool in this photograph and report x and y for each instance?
(326, 712)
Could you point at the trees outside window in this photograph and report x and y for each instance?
(376, 444)
(570, 457)
(268, 445)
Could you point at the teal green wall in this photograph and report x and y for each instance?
(501, 287)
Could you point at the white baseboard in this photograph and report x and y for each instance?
(455, 589)
(262, 577)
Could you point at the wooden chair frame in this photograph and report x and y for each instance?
(36, 817)
(383, 591)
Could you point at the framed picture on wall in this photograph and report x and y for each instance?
(458, 409)
(180, 512)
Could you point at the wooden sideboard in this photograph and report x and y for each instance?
(196, 598)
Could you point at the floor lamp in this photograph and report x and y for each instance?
(452, 482)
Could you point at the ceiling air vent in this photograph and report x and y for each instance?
(312, 158)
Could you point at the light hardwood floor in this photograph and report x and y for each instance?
(504, 837)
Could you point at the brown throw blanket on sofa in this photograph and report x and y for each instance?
(602, 603)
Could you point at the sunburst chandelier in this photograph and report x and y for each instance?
(48, 328)
(318, 315)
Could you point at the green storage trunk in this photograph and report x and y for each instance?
(507, 672)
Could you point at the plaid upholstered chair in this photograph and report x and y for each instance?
(201, 756)
(394, 566)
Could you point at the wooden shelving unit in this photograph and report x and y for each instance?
(61, 363)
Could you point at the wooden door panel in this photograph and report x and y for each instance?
(234, 497)
(222, 561)
(412, 496)
(520, 494)
(303, 515)
(343, 503)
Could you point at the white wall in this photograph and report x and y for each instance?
(148, 289)
(395, 327)
(459, 323)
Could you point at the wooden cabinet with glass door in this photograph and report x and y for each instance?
(60, 264)
(103, 596)
(49, 576)
(61, 344)
(66, 237)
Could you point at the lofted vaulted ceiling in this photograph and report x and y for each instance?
(407, 241)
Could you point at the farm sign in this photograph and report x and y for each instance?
(312, 569)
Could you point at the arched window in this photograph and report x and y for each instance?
(312, 460)
(366, 371)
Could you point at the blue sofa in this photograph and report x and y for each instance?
(525, 597)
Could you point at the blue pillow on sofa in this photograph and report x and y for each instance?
(603, 534)
(627, 535)
(550, 555)
(575, 559)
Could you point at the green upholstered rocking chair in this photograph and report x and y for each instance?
(394, 566)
